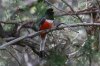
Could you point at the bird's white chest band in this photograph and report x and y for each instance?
(50, 21)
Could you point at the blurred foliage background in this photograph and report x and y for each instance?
(71, 46)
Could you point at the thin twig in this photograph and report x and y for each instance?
(71, 9)
(77, 13)
(56, 7)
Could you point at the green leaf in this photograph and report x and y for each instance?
(56, 59)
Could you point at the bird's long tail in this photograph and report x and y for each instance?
(42, 46)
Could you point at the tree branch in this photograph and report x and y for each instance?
(47, 31)
(71, 9)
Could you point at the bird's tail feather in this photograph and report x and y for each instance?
(42, 44)
(42, 47)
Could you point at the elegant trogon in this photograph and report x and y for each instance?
(45, 23)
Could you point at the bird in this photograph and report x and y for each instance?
(47, 22)
(44, 23)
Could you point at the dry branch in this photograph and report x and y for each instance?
(17, 22)
(47, 31)
(71, 9)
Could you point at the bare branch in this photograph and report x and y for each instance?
(77, 13)
(47, 31)
(71, 9)
(17, 22)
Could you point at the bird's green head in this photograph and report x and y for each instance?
(49, 14)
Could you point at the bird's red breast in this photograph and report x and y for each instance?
(48, 24)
